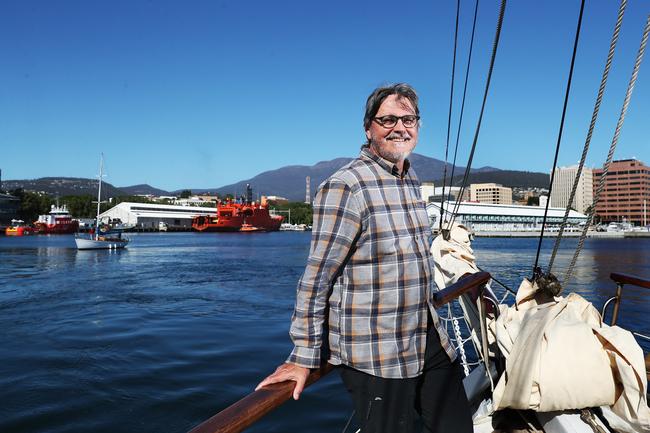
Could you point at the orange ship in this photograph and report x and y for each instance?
(19, 228)
(243, 216)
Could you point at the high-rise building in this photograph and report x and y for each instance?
(492, 193)
(562, 184)
(626, 194)
(308, 190)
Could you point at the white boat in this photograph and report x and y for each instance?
(100, 243)
(108, 238)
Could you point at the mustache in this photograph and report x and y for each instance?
(403, 135)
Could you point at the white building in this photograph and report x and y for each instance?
(427, 190)
(149, 215)
(562, 184)
(482, 217)
(491, 193)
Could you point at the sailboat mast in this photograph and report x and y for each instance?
(99, 193)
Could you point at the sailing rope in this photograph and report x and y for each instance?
(559, 137)
(612, 148)
(495, 46)
(594, 116)
(462, 105)
(451, 104)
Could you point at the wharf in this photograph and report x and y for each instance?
(551, 234)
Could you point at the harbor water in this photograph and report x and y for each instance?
(164, 334)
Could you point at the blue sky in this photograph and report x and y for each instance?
(203, 94)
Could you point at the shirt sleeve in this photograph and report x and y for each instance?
(337, 224)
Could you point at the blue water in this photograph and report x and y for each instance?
(163, 335)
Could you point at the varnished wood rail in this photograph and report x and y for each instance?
(464, 285)
(630, 279)
(248, 410)
(244, 413)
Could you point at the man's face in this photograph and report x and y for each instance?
(396, 143)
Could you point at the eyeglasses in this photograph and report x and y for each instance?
(409, 121)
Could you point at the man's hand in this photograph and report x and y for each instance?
(288, 372)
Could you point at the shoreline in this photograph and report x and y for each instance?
(553, 234)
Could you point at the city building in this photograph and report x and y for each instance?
(150, 215)
(563, 183)
(491, 193)
(427, 190)
(483, 217)
(626, 194)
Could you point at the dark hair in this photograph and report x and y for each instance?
(381, 93)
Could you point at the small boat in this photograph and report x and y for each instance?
(103, 237)
(101, 242)
(248, 228)
(19, 228)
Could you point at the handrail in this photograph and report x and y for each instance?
(248, 410)
(460, 287)
(244, 413)
(630, 279)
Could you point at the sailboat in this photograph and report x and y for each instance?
(503, 376)
(103, 238)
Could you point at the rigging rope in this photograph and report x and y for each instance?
(462, 106)
(495, 46)
(559, 136)
(451, 103)
(612, 148)
(594, 116)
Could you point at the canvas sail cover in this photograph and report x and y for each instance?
(559, 355)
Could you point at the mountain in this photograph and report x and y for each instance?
(62, 186)
(143, 189)
(286, 181)
(289, 181)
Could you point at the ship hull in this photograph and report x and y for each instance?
(238, 218)
(100, 244)
(19, 231)
(58, 229)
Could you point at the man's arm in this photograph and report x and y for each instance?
(337, 223)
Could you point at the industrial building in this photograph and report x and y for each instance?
(482, 217)
(149, 216)
(563, 183)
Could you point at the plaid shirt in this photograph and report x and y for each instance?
(369, 274)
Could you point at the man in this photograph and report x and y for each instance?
(367, 285)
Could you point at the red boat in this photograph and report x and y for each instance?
(244, 216)
(58, 221)
(18, 228)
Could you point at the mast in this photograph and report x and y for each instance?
(99, 194)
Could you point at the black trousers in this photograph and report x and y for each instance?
(389, 405)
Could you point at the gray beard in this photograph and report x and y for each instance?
(393, 157)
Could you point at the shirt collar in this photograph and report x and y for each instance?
(390, 167)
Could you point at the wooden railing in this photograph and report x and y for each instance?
(248, 410)
(621, 280)
(630, 279)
